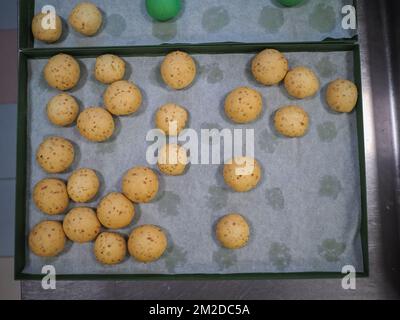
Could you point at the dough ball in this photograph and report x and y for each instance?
(47, 239)
(96, 124)
(122, 98)
(233, 231)
(55, 155)
(81, 225)
(269, 67)
(115, 211)
(291, 121)
(62, 72)
(243, 105)
(140, 185)
(43, 34)
(50, 196)
(178, 70)
(86, 19)
(172, 160)
(242, 174)
(110, 248)
(109, 68)
(171, 119)
(342, 95)
(62, 110)
(147, 243)
(301, 82)
(83, 185)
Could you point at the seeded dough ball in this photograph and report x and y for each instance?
(243, 174)
(81, 225)
(96, 124)
(50, 196)
(172, 160)
(291, 121)
(233, 231)
(86, 19)
(122, 98)
(147, 243)
(110, 248)
(49, 35)
(171, 119)
(301, 82)
(83, 185)
(109, 68)
(140, 185)
(269, 67)
(178, 70)
(342, 95)
(243, 105)
(62, 72)
(47, 239)
(115, 211)
(62, 110)
(55, 155)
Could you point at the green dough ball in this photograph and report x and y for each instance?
(290, 3)
(163, 10)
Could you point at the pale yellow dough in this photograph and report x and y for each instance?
(242, 174)
(110, 248)
(115, 211)
(47, 239)
(83, 185)
(81, 225)
(147, 243)
(50, 196)
(48, 34)
(55, 154)
(233, 231)
(62, 72)
(140, 185)
(178, 70)
(269, 67)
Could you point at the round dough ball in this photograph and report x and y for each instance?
(233, 231)
(172, 160)
(81, 225)
(43, 34)
(147, 243)
(342, 95)
(96, 124)
(83, 185)
(122, 98)
(50, 196)
(55, 155)
(269, 67)
(62, 72)
(243, 105)
(109, 68)
(291, 121)
(62, 110)
(171, 119)
(110, 248)
(115, 211)
(47, 239)
(178, 70)
(86, 19)
(163, 10)
(301, 82)
(242, 174)
(140, 185)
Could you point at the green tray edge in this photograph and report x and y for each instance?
(20, 234)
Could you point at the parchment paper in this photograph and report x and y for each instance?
(304, 215)
(205, 21)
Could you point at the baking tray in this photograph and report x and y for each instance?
(21, 202)
(126, 23)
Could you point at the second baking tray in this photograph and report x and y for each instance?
(308, 215)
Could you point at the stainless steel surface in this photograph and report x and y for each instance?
(380, 51)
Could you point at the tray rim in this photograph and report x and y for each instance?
(216, 48)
